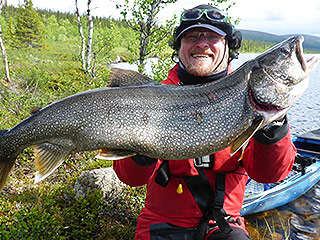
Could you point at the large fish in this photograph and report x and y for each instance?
(163, 121)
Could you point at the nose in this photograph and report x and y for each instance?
(202, 41)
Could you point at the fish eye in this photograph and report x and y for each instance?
(285, 51)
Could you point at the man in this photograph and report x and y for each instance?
(201, 198)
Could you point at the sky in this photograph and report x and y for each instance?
(280, 17)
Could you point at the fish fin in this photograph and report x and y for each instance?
(121, 78)
(5, 169)
(35, 110)
(48, 158)
(114, 154)
(243, 139)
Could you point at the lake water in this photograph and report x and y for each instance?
(301, 218)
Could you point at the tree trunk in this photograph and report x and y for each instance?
(3, 49)
(4, 56)
(83, 46)
(90, 36)
(146, 32)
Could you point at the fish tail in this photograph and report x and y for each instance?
(5, 168)
(6, 163)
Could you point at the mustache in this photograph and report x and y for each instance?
(209, 53)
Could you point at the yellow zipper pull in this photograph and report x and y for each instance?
(179, 188)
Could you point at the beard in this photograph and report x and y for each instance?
(203, 69)
(199, 69)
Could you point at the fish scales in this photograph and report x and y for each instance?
(105, 118)
(163, 121)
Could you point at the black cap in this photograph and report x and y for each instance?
(233, 36)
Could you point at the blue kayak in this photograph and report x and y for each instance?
(305, 174)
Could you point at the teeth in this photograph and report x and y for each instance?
(199, 55)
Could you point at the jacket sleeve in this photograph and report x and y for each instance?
(270, 156)
(132, 173)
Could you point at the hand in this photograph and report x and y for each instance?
(273, 132)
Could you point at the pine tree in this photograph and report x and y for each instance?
(11, 32)
(29, 30)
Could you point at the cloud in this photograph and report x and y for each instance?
(279, 16)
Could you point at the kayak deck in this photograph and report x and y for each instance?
(261, 197)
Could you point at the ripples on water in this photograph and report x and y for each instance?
(302, 215)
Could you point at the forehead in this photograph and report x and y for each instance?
(197, 30)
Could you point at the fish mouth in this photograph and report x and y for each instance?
(261, 106)
(299, 54)
(309, 64)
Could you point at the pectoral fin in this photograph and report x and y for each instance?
(114, 154)
(245, 137)
(49, 157)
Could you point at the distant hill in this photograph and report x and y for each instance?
(311, 43)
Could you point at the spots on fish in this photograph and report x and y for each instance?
(211, 95)
(169, 149)
(198, 116)
(145, 118)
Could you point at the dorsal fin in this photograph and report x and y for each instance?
(35, 109)
(122, 78)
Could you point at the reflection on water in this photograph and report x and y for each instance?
(299, 219)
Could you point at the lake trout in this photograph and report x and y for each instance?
(163, 121)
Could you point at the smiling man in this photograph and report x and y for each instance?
(200, 198)
(202, 52)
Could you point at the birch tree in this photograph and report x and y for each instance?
(83, 45)
(90, 36)
(3, 50)
(144, 20)
(86, 47)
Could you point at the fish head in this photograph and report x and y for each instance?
(279, 77)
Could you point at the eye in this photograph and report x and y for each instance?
(191, 37)
(211, 37)
(285, 51)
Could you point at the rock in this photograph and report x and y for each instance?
(103, 179)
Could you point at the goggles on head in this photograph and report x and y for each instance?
(195, 14)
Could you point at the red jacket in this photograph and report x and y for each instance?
(263, 163)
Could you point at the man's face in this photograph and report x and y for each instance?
(201, 51)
